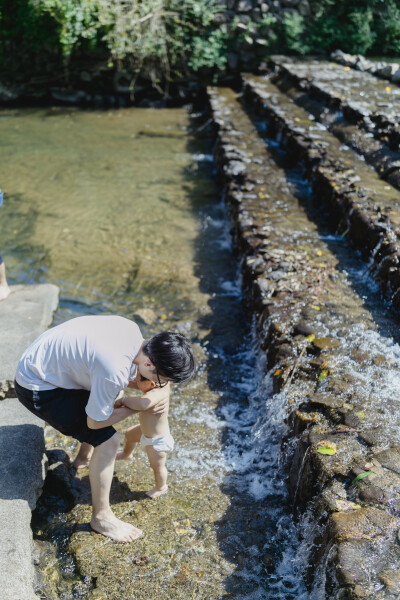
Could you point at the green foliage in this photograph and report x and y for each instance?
(355, 26)
(294, 28)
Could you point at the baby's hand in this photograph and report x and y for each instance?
(118, 403)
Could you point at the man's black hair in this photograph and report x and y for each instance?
(171, 355)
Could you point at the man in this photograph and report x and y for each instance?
(71, 376)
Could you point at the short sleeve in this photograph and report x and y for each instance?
(101, 400)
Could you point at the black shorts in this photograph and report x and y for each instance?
(65, 411)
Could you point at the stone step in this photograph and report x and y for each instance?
(320, 342)
(314, 86)
(24, 315)
(363, 207)
(363, 99)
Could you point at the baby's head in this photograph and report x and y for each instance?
(144, 385)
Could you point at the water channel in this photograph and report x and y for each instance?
(121, 210)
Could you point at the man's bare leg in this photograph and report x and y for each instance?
(132, 438)
(101, 469)
(157, 462)
(83, 457)
(4, 289)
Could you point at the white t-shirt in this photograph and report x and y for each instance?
(92, 353)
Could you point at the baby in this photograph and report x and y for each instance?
(153, 434)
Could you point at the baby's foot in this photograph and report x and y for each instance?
(122, 455)
(156, 491)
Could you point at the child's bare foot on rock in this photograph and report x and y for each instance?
(114, 528)
(156, 492)
(123, 456)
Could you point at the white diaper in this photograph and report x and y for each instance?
(161, 443)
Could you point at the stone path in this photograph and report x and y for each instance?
(26, 313)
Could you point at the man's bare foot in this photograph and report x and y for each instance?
(123, 456)
(80, 463)
(156, 492)
(115, 529)
(4, 291)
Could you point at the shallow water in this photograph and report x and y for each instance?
(120, 209)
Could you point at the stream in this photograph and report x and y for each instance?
(121, 210)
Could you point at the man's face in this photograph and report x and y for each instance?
(148, 371)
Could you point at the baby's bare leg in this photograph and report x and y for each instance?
(132, 437)
(157, 463)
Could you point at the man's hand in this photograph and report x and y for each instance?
(159, 399)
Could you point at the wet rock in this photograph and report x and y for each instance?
(372, 494)
(367, 523)
(390, 459)
(60, 475)
(325, 400)
(326, 343)
(302, 328)
(391, 580)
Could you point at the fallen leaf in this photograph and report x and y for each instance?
(277, 372)
(323, 375)
(388, 88)
(326, 447)
(361, 476)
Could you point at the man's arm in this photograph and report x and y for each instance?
(118, 414)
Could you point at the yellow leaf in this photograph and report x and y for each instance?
(388, 88)
(360, 414)
(323, 375)
(277, 372)
(347, 68)
(310, 338)
(163, 317)
(316, 307)
(319, 252)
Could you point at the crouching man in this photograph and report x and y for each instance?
(71, 376)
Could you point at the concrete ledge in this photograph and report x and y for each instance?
(26, 313)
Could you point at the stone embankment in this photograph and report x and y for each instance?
(363, 206)
(24, 315)
(358, 108)
(382, 69)
(333, 368)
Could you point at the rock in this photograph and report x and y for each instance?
(326, 343)
(390, 459)
(7, 95)
(326, 400)
(372, 494)
(396, 76)
(391, 580)
(387, 71)
(233, 60)
(147, 315)
(301, 328)
(367, 523)
(244, 6)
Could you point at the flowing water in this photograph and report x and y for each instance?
(120, 209)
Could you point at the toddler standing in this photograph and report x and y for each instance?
(154, 435)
